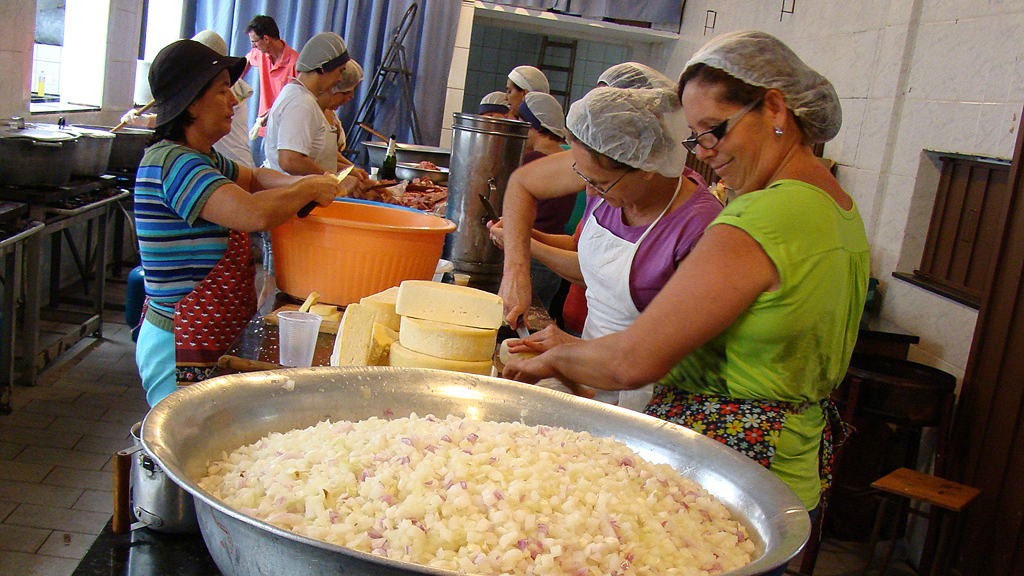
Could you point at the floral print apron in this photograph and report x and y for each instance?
(751, 427)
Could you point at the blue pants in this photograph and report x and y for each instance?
(256, 147)
(154, 355)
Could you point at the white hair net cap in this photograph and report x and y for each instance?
(642, 128)
(213, 41)
(351, 76)
(321, 49)
(540, 109)
(494, 102)
(760, 59)
(635, 75)
(530, 79)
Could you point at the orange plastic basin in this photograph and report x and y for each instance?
(346, 251)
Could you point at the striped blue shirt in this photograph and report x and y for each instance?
(177, 247)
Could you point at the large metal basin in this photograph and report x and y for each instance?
(197, 424)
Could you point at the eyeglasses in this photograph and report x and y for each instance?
(598, 189)
(709, 139)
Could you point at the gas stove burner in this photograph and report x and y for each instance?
(46, 195)
(75, 202)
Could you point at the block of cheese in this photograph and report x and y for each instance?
(323, 310)
(447, 340)
(355, 333)
(448, 303)
(401, 356)
(504, 356)
(381, 339)
(384, 304)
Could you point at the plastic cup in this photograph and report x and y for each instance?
(297, 333)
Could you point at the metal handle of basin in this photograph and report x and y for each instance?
(47, 144)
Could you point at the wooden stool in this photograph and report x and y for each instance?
(942, 495)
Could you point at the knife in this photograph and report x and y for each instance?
(339, 177)
(492, 214)
(522, 330)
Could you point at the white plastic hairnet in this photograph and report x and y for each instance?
(530, 79)
(760, 59)
(497, 97)
(635, 75)
(213, 41)
(540, 109)
(351, 76)
(319, 50)
(642, 128)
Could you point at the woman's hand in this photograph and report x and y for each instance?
(497, 230)
(517, 293)
(542, 340)
(540, 367)
(323, 188)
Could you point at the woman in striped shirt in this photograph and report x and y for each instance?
(194, 209)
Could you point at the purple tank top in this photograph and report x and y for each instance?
(666, 245)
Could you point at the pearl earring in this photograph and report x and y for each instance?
(778, 132)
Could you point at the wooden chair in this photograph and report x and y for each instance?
(943, 496)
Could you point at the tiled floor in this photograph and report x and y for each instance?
(55, 450)
(55, 470)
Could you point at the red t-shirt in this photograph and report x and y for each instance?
(273, 75)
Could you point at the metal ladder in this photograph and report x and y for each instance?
(393, 66)
(553, 48)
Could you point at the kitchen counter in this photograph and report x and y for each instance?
(145, 552)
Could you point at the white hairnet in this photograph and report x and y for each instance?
(642, 128)
(213, 41)
(322, 50)
(635, 75)
(529, 78)
(351, 76)
(494, 102)
(540, 109)
(760, 59)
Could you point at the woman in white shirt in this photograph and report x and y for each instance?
(298, 139)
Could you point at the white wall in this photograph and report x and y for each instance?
(121, 50)
(912, 75)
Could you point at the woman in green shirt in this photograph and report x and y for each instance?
(756, 327)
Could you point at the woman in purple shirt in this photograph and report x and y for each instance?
(645, 210)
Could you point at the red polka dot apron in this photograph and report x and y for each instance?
(209, 319)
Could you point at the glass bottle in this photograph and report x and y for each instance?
(387, 169)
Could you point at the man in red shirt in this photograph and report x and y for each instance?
(276, 63)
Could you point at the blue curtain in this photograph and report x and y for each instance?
(367, 27)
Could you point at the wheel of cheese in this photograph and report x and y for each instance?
(449, 341)
(448, 303)
(504, 356)
(403, 357)
(383, 304)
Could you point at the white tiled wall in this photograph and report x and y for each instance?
(494, 52)
(46, 67)
(116, 56)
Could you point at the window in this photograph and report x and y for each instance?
(70, 54)
(965, 228)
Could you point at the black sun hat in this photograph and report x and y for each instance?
(179, 73)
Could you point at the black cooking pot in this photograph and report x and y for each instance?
(31, 156)
(129, 146)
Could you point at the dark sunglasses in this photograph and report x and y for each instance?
(710, 138)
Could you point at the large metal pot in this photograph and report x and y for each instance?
(32, 156)
(485, 151)
(128, 147)
(93, 152)
(157, 501)
(198, 423)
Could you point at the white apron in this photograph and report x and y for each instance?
(606, 262)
